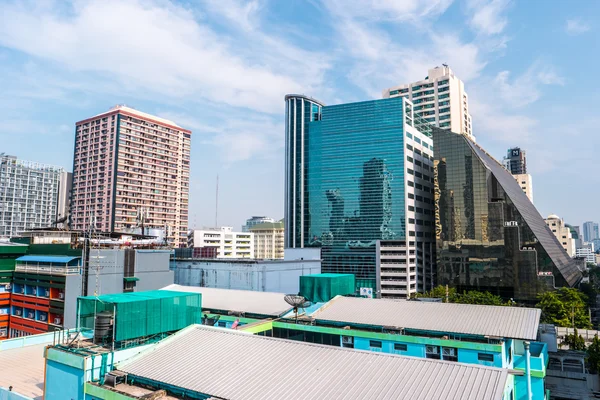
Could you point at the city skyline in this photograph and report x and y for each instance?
(232, 98)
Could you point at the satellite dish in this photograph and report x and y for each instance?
(297, 302)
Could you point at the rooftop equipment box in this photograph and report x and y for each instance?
(141, 314)
(319, 288)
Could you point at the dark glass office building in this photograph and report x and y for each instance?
(489, 235)
(359, 184)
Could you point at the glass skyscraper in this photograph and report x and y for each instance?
(489, 235)
(359, 184)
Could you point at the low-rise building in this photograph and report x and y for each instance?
(255, 220)
(229, 244)
(587, 252)
(243, 274)
(268, 240)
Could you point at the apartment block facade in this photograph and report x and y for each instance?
(268, 240)
(359, 185)
(129, 164)
(440, 99)
(229, 244)
(29, 195)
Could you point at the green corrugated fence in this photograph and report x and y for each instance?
(324, 287)
(141, 314)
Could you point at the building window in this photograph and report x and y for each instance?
(432, 352)
(450, 354)
(375, 344)
(485, 357)
(400, 347)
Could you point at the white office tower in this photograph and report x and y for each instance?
(440, 99)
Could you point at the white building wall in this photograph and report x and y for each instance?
(229, 244)
(526, 184)
(263, 276)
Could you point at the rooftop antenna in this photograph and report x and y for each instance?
(217, 203)
(296, 301)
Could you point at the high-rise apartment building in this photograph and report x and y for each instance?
(229, 244)
(489, 235)
(131, 169)
(255, 220)
(590, 231)
(29, 195)
(439, 99)
(563, 233)
(515, 162)
(359, 185)
(268, 240)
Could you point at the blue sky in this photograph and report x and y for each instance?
(222, 67)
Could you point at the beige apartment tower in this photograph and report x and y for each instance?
(439, 99)
(268, 240)
(131, 170)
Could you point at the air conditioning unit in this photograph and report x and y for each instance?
(61, 295)
(47, 293)
(42, 317)
(8, 286)
(31, 315)
(57, 321)
(18, 312)
(22, 290)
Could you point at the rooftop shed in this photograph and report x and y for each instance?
(324, 287)
(140, 314)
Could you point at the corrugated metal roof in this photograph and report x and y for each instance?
(506, 322)
(52, 259)
(235, 365)
(23, 369)
(262, 303)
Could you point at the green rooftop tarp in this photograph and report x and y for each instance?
(320, 288)
(141, 314)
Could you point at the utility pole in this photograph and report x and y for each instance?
(447, 293)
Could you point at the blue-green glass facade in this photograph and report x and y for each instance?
(355, 189)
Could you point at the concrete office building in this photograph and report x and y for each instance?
(131, 169)
(268, 240)
(359, 185)
(590, 231)
(562, 233)
(250, 222)
(280, 276)
(440, 99)
(229, 244)
(515, 162)
(489, 235)
(29, 195)
(587, 252)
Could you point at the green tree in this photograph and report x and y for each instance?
(593, 355)
(574, 341)
(565, 307)
(476, 297)
(439, 292)
(591, 292)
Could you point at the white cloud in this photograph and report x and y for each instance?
(375, 59)
(159, 48)
(576, 27)
(389, 10)
(487, 16)
(525, 89)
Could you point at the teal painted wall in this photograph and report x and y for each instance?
(63, 382)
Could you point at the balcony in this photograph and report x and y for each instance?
(539, 356)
